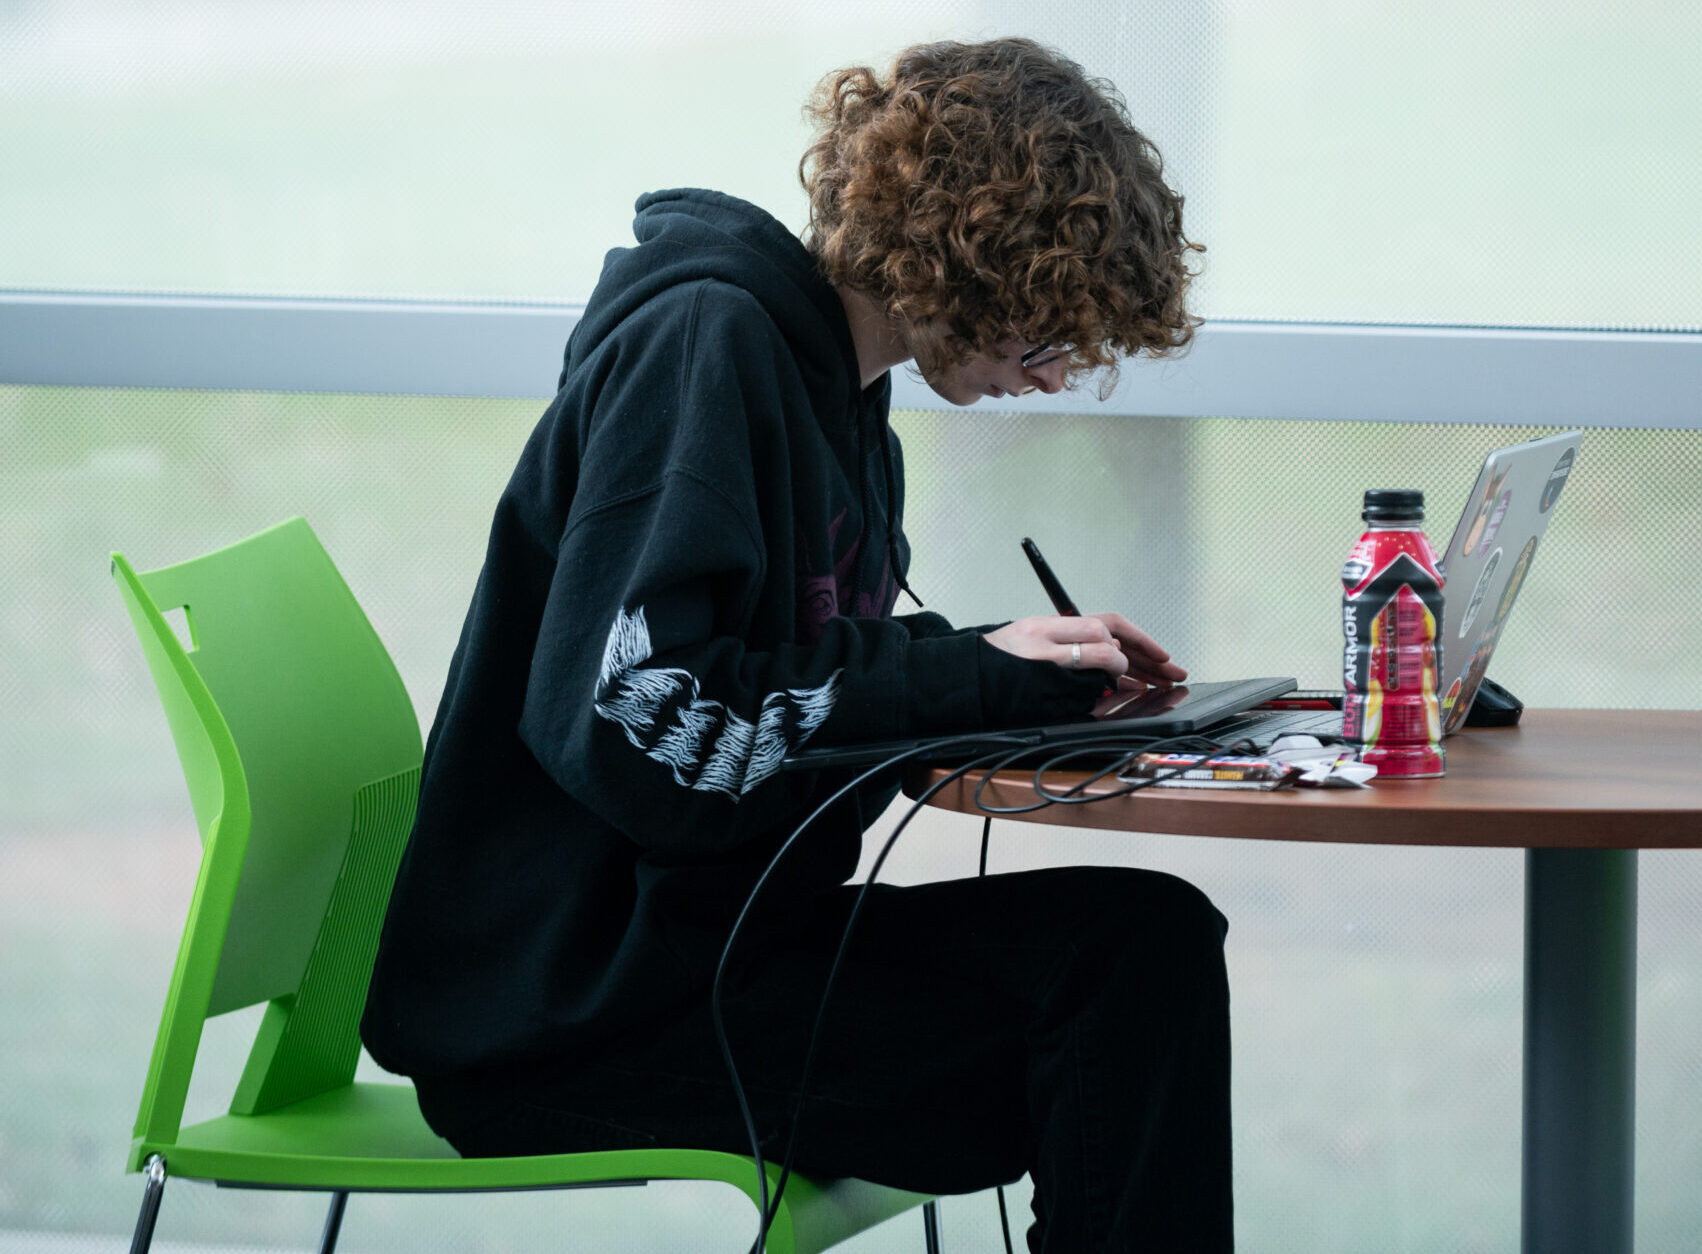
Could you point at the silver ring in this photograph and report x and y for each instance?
(1075, 657)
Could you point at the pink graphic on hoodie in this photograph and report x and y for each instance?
(820, 597)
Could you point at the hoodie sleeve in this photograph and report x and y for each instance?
(924, 625)
(644, 700)
(927, 624)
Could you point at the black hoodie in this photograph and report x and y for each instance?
(689, 575)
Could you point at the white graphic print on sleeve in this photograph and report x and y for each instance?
(706, 745)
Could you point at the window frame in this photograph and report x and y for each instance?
(1235, 369)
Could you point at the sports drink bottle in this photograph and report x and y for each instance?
(1391, 621)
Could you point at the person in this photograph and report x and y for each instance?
(692, 573)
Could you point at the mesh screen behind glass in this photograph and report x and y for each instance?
(1225, 539)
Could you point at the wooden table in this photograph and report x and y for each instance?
(1581, 791)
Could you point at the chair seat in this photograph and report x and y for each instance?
(369, 1136)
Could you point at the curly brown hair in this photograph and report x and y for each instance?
(993, 192)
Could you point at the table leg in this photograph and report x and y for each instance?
(1580, 1049)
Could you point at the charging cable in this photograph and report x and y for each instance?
(998, 752)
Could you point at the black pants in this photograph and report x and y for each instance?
(1071, 1023)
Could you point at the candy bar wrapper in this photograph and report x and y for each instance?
(1187, 770)
(1302, 766)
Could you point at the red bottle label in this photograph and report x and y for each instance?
(1391, 621)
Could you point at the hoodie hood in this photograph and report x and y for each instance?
(689, 234)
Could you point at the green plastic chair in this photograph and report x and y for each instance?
(302, 755)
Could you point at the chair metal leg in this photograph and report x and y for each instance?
(931, 1226)
(333, 1223)
(153, 1189)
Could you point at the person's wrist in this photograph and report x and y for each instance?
(943, 688)
(1019, 691)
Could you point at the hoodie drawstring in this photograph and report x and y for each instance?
(891, 531)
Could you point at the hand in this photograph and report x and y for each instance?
(1149, 663)
(1109, 643)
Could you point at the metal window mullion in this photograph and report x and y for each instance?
(1256, 370)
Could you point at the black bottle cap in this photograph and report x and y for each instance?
(1393, 505)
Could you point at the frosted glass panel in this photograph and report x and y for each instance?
(1519, 163)
(381, 147)
(1526, 163)
(1376, 992)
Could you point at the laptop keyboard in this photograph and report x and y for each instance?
(1262, 727)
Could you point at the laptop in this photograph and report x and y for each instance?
(1490, 554)
(1484, 566)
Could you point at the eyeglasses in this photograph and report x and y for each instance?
(1044, 355)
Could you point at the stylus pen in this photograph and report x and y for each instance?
(1060, 599)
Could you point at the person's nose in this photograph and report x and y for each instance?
(1048, 378)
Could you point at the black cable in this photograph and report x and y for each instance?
(990, 763)
(916, 807)
(1123, 753)
(1118, 763)
(1009, 759)
(1004, 1215)
(767, 1208)
(1119, 745)
(1045, 797)
(1074, 794)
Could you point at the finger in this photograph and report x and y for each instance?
(1132, 637)
(1150, 666)
(1092, 655)
(1080, 629)
(1147, 658)
(1160, 673)
(1137, 641)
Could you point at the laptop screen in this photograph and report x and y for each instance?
(1490, 554)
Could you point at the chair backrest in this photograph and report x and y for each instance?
(302, 752)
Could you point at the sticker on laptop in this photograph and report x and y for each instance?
(1453, 696)
(1480, 592)
(1496, 516)
(1469, 681)
(1556, 481)
(1474, 533)
(1514, 581)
